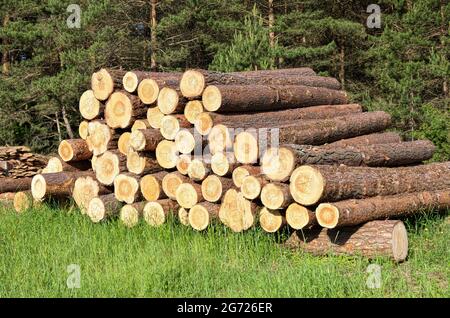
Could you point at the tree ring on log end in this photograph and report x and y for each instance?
(306, 185)
(102, 84)
(89, 106)
(192, 83)
(327, 215)
(297, 216)
(168, 100)
(148, 91)
(183, 216)
(199, 217)
(38, 187)
(278, 163)
(186, 195)
(212, 98)
(129, 216)
(270, 220)
(96, 210)
(154, 214)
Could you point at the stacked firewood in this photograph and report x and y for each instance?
(280, 148)
(20, 162)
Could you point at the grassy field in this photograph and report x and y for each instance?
(37, 247)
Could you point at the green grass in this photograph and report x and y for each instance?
(175, 261)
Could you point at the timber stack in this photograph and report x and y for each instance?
(279, 148)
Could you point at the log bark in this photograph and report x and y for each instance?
(372, 239)
(126, 188)
(156, 213)
(276, 196)
(14, 185)
(252, 143)
(205, 121)
(145, 140)
(151, 186)
(214, 187)
(251, 98)
(123, 109)
(142, 163)
(105, 81)
(103, 207)
(202, 215)
(85, 189)
(354, 212)
(194, 82)
(56, 185)
(271, 221)
(74, 150)
(252, 186)
(108, 166)
(314, 184)
(130, 214)
(171, 182)
(242, 171)
(189, 194)
(298, 217)
(279, 163)
(131, 80)
(371, 139)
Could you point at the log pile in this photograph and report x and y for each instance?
(282, 148)
(20, 162)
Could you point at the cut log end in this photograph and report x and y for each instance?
(150, 188)
(187, 195)
(306, 185)
(124, 143)
(102, 84)
(170, 184)
(251, 187)
(327, 215)
(96, 210)
(65, 151)
(204, 123)
(192, 110)
(183, 163)
(238, 176)
(192, 84)
(271, 221)
(107, 167)
(272, 196)
(219, 139)
(166, 154)
(246, 148)
(170, 126)
(199, 217)
(183, 216)
(89, 106)
(278, 163)
(399, 242)
(22, 201)
(137, 140)
(99, 137)
(126, 188)
(140, 124)
(85, 189)
(129, 216)
(212, 98)
(38, 187)
(297, 216)
(83, 129)
(212, 189)
(130, 82)
(168, 100)
(220, 164)
(154, 117)
(118, 111)
(154, 214)
(198, 170)
(148, 91)
(185, 141)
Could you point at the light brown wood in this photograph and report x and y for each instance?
(108, 166)
(105, 81)
(103, 207)
(372, 239)
(214, 187)
(154, 117)
(131, 80)
(202, 215)
(223, 164)
(188, 195)
(142, 163)
(145, 140)
(126, 188)
(124, 143)
(56, 164)
(183, 216)
(83, 129)
(151, 186)
(140, 124)
(204, 123)
(239, 173)
(130, 214)
(171, 182)
(276, 196)
(122, 109)
(89, 106)
(74, 150)
(185, 141)
(219, 139)
(56, 185)
(271, 221)
(23, 201)
(85, 189)
(148, 91)
(167, 154)
(236, 212)
(298, 217)
(192, 110)
(171, 125)
(252, 186)
(156, 213)
(183, 163)
(170, 102)
(198, 170)
(101, 138)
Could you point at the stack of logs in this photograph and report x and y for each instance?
(281, 148)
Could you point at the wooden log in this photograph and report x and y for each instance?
(220, 139)
(83, 129)
(171, 125)
(108, 166)
(223, 164)
(239, 173)
(126, 188)
(142, 163)
(105, 81)
(151, 186)
(314, 184)
(103, 207)
(278, 163)
(354, 212)
(189, 194)
(123, 109)
(373, 239)
(192, 110)
(252, 186)
(371, 139)
(56, 185)
(56, 164)
(14, 185)
(271, 221)
(74, 150)
(214, 187)
(236, 212)
(89, 106)
(198, 170)
(253, 98)
(167, 154)
(298, 217)
(171, 182)
(206, 120)
(250, 144)
(145, 140)
(193, 82)
(23, 201)
(156, 213)
(183, 216)
(85, 189)
(170, 101)
(101, 138)
(276, 196)
(202, 215)
(140, 124)
(134, 80)
(148, 91)
(186, 141)
(130, 214)
(124, 143)
(154, 117)
(183, 163)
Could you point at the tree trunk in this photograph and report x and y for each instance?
(314, 184)
(74, 150)
(214, 187)
(123, 109)
(377, 138)
(85, 189)
(276, 196)
(342, 66)
(271, 25)
(372, 239)
(148, 83)
(189, 194)
(108, 166)
(242, 171)
(6, 64)
(55, 185)
(56, 164)
(354, 212)
(14, 185)
(145, 140)
(101, 137)
(103, 207)
(171, 182)
(156, 213)
(105, 81)
(251, 144)
(298, 217)
(154, 40)
(130, 214)
(271, 221)
(151, 186)
(142, 163)
(203, 214)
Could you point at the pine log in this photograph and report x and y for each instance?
(252, 98)
(354, 212)
(56, 164)
(192, 110)
(170, 101)
(189, 194)
(151, 186)
(23, 201)
(198, 170)
(83, 129)
(371, 139)
(171, 182)
(154, 117)
(193, 82)
(74, 150)
(202, 215)
(205, 121)
(105, 81)
(124, 143)
(103, 207)
(85, 189)
(123, 109)
(252, 186)
(373, 239)
(14, 185)
(183, 216)
(252, 143)
(236, 212)
(142, 163)
(276, 196)
(145, 140)
(278, 163)
(56, 185)
(183, 163)
(89, 106)
(214, 187)
(130, 214)
(239, 173)
(271, 221)
(223, 164)
(220, 139)
(101, 138)
(108, 166)
(298, 217)
(156, 213)
(126, 188)
(315, 184)
(171, 125)
(133, 80)
(167, 154)
(140, 124)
